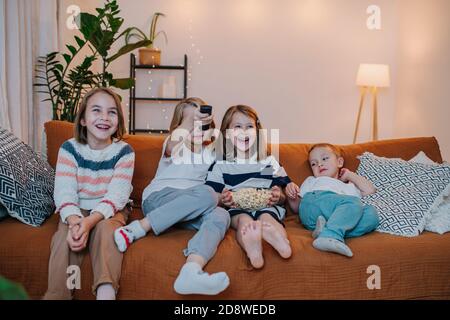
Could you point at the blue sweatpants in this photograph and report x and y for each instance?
(346, 215)
(194, 208)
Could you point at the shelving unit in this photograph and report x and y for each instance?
(132, 100)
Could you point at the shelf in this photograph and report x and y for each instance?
(143, 66)
(158, 99)
(162, 131)
(133, 99)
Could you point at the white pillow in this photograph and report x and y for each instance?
(439, 219)
(406, 192)
(421, 157)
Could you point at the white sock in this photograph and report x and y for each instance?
(106, 292)
(320, 224)
(332, 245)
(124, 236)
(193, 280)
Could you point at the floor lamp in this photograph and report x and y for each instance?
(371, 77)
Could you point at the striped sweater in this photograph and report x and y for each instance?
(96, 180)
(237, 174)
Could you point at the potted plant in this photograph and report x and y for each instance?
(149, 55)
(64, 84)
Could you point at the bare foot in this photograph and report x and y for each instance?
(277, 239)
(251, 240)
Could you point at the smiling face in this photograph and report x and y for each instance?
(242, 132)
(325, 163)
(100, 119)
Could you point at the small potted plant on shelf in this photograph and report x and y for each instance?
(149, 55)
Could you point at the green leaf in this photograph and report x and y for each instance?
(127, 48)
(67, 57)
(72, 49)
(79, 41)
(59, 67)
(122, 83)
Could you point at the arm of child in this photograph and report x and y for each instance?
(66, 185)
(214, 179)
(278, 196)
(365, 186)
(293, 198)
(226, 199)
(120, 187)
(80, 232)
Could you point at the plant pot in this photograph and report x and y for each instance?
(150, 56)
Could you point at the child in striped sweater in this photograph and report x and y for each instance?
(92, 189)
(246, 165)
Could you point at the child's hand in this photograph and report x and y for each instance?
(203, 117)
(73, 220)
(76, 244)
(292, 190)
(226, 198)
(80, 233)
(345, 175)
(276, 195)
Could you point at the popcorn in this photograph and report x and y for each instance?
(251, 199)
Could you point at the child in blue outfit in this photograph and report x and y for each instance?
(331, 201)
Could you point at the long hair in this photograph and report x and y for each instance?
(177, 117)
(81, 131)
(226, 149)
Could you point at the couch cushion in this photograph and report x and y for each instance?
(26, 188)
(293, 157)
(411, 268)
(406, 192)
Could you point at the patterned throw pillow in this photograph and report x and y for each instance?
(406, 192)
(3, 211)
(26, 181)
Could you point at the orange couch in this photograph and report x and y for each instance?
(411, 268)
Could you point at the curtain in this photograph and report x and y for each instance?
(28, 29)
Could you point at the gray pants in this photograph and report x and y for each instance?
(193, 208)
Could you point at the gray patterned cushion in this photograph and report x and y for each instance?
(406, 192)
(3, 212)
(26, 181)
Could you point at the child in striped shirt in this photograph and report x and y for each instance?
(246, 166)
(92, 188)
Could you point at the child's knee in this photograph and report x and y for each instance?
(221, 218)
(207, 196)
(104, 229)
(372, 216)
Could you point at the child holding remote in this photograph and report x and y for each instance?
(178, 195)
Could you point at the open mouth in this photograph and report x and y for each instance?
(244, 140)
(322, 170)
(103, 127)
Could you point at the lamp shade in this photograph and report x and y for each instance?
(373, 75)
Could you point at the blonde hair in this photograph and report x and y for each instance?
(177, 117)
(226, 149)
(333, 148)
(81, 131)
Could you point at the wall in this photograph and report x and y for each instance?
(296, 63)
(423, 107)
